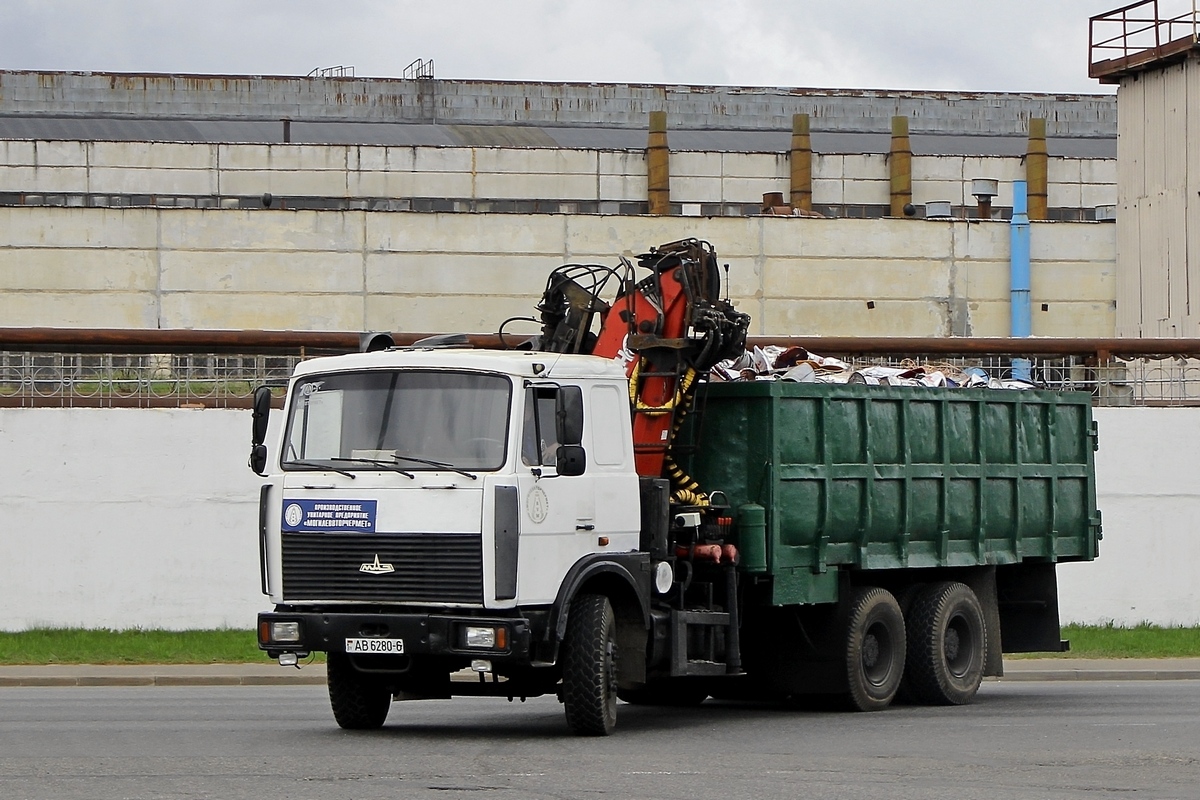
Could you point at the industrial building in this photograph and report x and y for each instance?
(176, 201)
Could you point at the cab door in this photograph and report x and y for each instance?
(557, 512)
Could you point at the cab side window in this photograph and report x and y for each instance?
(539, 439)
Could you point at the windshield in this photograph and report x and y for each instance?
(419, 420)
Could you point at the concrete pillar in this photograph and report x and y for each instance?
(801, 163)
(900, 162)
(658, 157)
(1036, 169)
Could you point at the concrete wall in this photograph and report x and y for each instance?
(497, 102)
(127, 518)
(148, 518)
(1151, 515)
(355, 270)
(486, 173)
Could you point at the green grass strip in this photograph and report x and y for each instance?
(1140, 641)
(76, 646)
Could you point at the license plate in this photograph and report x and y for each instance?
(375, 646)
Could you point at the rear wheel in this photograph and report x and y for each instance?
(590, 666)
(359, 701)
(946, 644)
(874, 648)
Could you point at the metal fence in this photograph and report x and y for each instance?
(227, 380)
(110, 380)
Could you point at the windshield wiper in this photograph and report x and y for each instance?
(438, 464)
(303, 462)
(385, 464)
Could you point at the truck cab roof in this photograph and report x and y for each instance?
(523, 364)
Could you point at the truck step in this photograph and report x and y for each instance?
(683, 662)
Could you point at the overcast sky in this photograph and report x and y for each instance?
(1001, 45)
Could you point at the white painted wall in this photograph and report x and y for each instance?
(1149, 496)
(121, 518)
(496, 173)
(147, 518)
(357, 270)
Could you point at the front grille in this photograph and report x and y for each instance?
(429, 567)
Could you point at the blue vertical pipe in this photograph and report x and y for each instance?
(1019, 275)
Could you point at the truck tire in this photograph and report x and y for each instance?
(590, 666)
(359, 702)
(874, 648)
(946, 644)
(676, 693)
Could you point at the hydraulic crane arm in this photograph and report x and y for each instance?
(668, 330)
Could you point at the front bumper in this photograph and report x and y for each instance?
(432, 634)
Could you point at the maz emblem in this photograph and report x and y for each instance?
(375, 568)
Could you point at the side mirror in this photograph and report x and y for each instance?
(258, 459)
(568, 415)
(262, 412)
(572, 460)
(260, 415)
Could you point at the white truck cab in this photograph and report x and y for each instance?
(430, 509)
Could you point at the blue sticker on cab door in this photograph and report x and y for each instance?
(329, 516)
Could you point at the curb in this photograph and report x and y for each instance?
(162, 680)
(1017, 671)
(1100, 675)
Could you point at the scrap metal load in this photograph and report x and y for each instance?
(667, 329)
(800, 365)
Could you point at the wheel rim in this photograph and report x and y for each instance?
(959, 645)
(877, 648)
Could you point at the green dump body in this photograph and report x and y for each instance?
(881, 478)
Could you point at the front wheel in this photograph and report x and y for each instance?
(359, 701)
(946, 644)
(589, 679)
(874, 648)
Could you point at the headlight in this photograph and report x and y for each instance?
(285, 631)
(486, 638)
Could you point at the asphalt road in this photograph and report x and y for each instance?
(1019, 740)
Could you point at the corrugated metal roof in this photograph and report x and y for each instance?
(593, 138)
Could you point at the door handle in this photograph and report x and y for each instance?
(588, 527)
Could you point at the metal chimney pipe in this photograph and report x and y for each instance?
(658, 156)
(900, 161)
(801, 163)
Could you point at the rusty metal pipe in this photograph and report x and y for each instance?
(971, 346)
(123, 340)
(247, 342)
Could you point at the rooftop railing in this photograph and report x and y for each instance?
(1122, 41)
